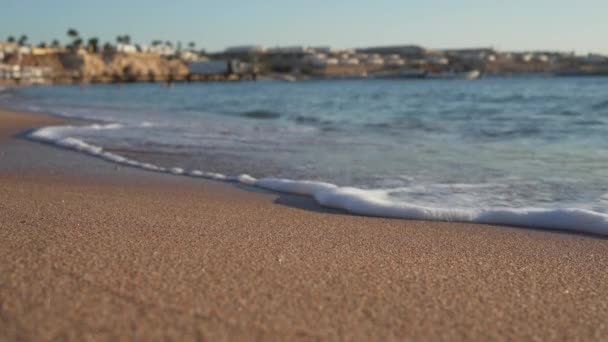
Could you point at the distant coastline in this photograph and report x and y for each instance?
(80, 62)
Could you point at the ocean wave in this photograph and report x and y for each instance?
(569, 112)
(590, 122)
(522, 132)
(53, 135)
(409, 124)
(307, 119)
(600, 105)
(260, 114)
(354, 200)
(100, 127)
(504, 99)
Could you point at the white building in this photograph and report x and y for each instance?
(542, 58)
(595, 59)
(393, 60)
(349, 61)
(26, 74)
(191, 56)
(8, 48)
(25, 50)
(438, 60)
(527, 58)
(126, 48)
(375, 60)
(332, 61)
(9, 72)
(161, 49)
(323, 49)
(318, 60)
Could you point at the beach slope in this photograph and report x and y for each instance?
(91, 250)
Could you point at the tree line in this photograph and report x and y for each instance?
(92, 44)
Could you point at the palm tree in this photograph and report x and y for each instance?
(72, 33)
(93, 45)
(76, 41)
(157, 42)
(11, 39)
(22, 40)
(191, 45)
(124, 39)
(107, 47)
(42, 45)
(55, 44)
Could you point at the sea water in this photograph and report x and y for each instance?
(527, 151)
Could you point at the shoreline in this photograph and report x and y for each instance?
(97, 250)
(307, 78)
(343, 198)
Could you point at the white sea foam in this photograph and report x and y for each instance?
(99, 127)
(246, 179)
(55, 135)
(353, 200)
(307, 188)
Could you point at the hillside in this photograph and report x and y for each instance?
(86, 67)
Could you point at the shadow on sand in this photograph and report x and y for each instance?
(307, 203)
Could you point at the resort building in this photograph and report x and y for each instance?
(160, 49)
(245, 50)
(42, 51)
(595, 59)
(324, 49)
(191, 56)
(408, 51)
(25, 74)
(126, 48)
(8, 48)
(470, 54)
(288, 50)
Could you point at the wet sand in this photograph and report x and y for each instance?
(91, 250)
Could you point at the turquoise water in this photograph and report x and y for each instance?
(491, 143)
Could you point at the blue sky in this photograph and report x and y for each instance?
(567, 25)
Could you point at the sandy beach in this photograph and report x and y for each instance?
(94, 251)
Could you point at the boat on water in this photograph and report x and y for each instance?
(424, 74)
(454, 75)
(279, 77)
